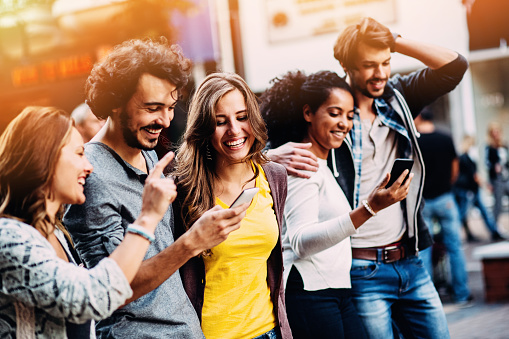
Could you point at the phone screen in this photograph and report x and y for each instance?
(245, 196)
(398, 167)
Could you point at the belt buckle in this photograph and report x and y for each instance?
(386, 251)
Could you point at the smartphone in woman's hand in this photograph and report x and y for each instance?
(245, 196)
(398, 167)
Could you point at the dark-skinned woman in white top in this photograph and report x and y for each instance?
(320, 109)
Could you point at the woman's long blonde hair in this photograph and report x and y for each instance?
(195, 172)
(29, 150)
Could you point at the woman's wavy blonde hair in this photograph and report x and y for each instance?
(29, 150)
(195, 172)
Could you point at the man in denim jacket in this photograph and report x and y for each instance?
(389, 281)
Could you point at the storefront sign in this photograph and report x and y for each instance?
(51, 70)
(292, 19)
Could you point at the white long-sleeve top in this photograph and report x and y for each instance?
(316, 231)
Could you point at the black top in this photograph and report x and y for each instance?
(466, 176)
(493, 158)
(438, 153)
(76, 331)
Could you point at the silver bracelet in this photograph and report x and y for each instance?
(141, 231)
(368, 207)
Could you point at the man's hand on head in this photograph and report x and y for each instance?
(395, 36)
(296, 158)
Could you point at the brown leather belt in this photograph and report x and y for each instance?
(385, 254)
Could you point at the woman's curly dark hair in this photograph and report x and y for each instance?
(113, 82)
(281, 104)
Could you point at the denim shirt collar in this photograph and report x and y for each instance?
(390, 118)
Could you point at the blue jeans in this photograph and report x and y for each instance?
(465, 199)
(444, 210)
(272, 334)
(324, 314)
(402, 292)
(500, 188)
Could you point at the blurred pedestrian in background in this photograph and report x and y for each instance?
(441, 163)
(43, 293)
(86, 122)
(237, 288)
(318, 217)
(467, 190)
(497, 162)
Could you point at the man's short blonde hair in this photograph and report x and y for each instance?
(368, 31)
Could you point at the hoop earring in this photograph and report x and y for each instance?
(208, 154)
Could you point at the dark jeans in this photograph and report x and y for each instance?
(327, 313)
(272, 334)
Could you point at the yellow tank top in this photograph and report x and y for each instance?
(237, 300)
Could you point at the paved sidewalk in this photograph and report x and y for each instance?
(482, 320)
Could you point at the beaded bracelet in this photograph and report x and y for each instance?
(368, 207)
(141, 231)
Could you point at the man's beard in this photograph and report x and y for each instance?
(130, 136)
(364, 90)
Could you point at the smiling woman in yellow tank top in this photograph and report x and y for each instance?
(236, 286)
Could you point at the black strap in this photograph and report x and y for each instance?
(74, 253)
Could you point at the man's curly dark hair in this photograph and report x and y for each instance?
(282, 104)
(113, 81)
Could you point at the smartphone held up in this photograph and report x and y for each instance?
(245, 196)
(399, 166)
